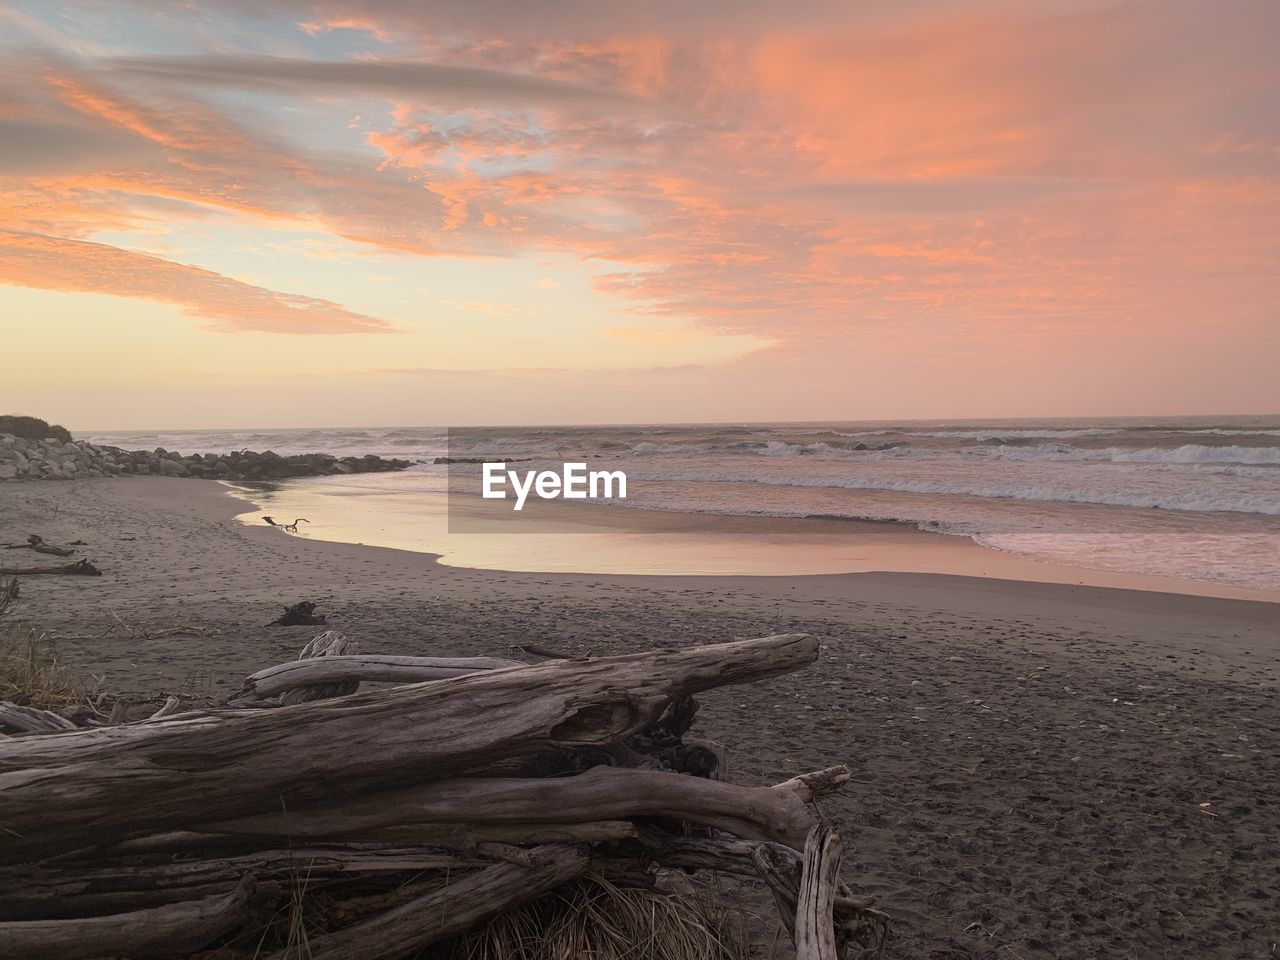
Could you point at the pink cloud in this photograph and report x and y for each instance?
(52, 263)
(808, 180)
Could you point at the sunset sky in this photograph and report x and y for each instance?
(501, 211)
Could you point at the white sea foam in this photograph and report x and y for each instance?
(1232, 432)
(1047, 433)
(1012, 434)
(1190, 453)
(1183, 497)
(649, 447)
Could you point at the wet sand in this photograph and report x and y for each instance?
(1031, 760)
(553, 536)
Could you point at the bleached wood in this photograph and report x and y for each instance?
(357, 668)
(331, 643)
(602, 793)
(814, 786)
(171, 706)
(68, 790)
(20, 719)
(815, 937)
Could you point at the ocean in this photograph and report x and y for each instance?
(1195, 498)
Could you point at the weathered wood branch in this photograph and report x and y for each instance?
(810, 787)
(450, 909)
(777, 867)
(36, 543)
(331, 643)
(170, 706)
(457, 837)
(166, 931)
(357, 668)
(66, 791)
(815, 936)
(70, 890)
(602, 793)
(20, 719)
(780, 866)
(81, 567)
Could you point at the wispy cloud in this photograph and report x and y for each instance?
(53, 263)
(469, 86)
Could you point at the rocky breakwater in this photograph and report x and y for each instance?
(51, 458)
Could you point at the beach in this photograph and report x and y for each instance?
(1040, 769)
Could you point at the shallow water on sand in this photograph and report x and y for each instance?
(1195, 498)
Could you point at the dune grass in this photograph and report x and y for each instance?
(31, 672)
(593, 918)
(32, 428)
(587, 919)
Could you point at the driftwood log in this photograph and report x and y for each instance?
(420, 810)
(170, 930)
(36, 542)
(451, 908)
(81, 567)
(16, 718)
(346, 671)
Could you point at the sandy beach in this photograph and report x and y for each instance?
(1041, 769)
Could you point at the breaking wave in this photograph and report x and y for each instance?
(1198, 500)
(1189, 453)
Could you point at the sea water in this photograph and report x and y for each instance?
(1189, 497)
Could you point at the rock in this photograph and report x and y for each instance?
(55, 457)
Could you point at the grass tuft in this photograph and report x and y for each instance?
(31, 672)
(593, 918)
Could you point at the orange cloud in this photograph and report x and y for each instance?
(915, 176)
(51, 263)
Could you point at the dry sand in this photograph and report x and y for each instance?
(1030, 759)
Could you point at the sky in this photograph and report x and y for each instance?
(217, 213)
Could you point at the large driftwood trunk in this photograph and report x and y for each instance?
(417, 812)
(71, 790)
(602, 793)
